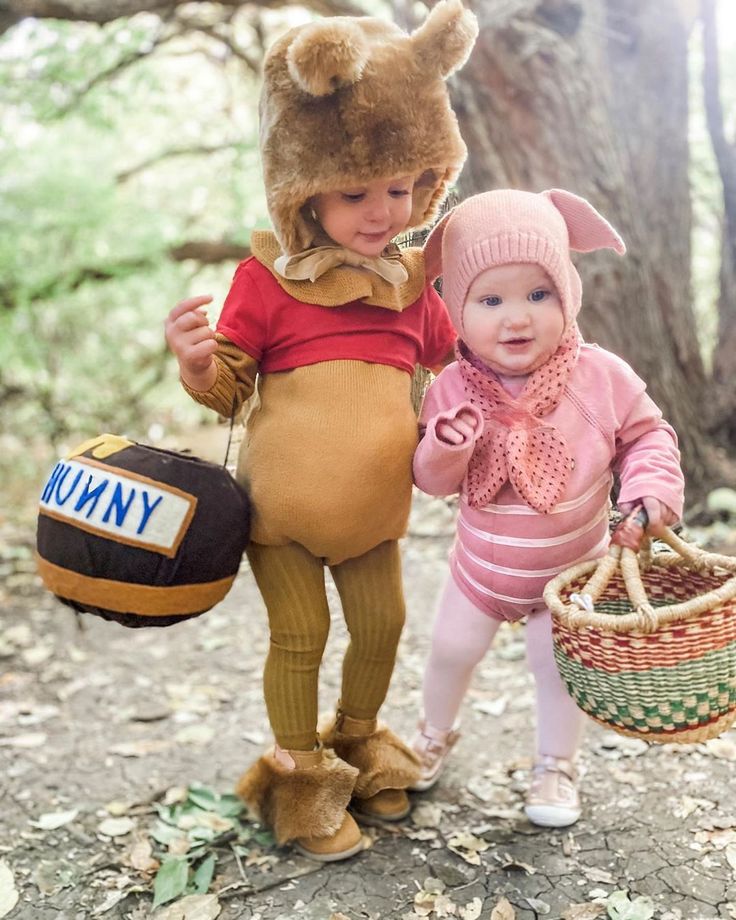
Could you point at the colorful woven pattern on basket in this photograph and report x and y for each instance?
(675, 684)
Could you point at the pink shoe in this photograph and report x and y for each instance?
(552, 800)
(432, 747)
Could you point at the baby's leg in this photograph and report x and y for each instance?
(462, 635)
(560, 722)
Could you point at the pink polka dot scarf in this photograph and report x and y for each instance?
(516, 445)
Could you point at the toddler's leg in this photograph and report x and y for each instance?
(294, 788)
(292, 584)
(552, 800)
(462, 635)
(372, 599)
(560, 722)
(373, 604)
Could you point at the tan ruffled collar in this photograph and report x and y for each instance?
(344, 284)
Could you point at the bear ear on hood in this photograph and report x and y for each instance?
(432, 249)
(443, 42)
(588, 230)
(326, 55)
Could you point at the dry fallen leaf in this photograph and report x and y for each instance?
(722, 748)
(472, 910)
(192, 907)
(719, 838)
(139, 854)
(28, 740)
(118, 809)
(116, 827)
(594, 874)
(195, 734)
(491, 707)
(583, 911)
(139, 748)
(427, 814)
(55, 819)
(8, 892)
(509, 862)
(468, 847)
(503, 911)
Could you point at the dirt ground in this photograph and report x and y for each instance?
(101, 728)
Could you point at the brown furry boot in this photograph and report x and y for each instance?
(386, 766)
(302, 797)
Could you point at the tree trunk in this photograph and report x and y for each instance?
(592, 97)
(724, 359)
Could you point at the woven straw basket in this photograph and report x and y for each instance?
(646, 642)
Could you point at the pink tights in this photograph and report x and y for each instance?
(462, 636)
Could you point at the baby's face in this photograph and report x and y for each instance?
(512, 318)
(366, 218)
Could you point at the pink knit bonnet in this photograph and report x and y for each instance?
(504, 226)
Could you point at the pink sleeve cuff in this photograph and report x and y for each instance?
(439, 467)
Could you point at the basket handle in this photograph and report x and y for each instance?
(629, 535)
(628, 543)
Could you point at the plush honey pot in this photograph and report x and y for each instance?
(125, 532)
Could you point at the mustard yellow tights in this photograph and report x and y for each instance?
(292, 583)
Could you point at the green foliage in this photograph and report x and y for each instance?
(100, 176)
(190, 831)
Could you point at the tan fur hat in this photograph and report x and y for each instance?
(349, 99)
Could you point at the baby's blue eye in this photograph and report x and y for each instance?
(399, 192)
(538, 296)
(358, 196)
(492, 301)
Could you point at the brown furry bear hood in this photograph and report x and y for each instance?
(349, 99)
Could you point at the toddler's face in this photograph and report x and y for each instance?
(366, 218)
(512, 318)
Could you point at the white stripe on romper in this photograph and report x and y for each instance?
(548, 541)
(606, 479)
(533, 573)
(487, 591)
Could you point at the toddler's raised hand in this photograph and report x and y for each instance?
(459, 429)
(659, 514)
(190, 338)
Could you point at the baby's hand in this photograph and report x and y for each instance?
(458, 430)
(659, 514)
(189, 336)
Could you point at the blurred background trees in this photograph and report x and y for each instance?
(129, 178)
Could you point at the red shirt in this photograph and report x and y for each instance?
(283, 333)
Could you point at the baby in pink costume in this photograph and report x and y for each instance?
(528, 425)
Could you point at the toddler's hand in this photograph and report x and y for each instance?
(189, 336)
(459, 430)
(659, 514)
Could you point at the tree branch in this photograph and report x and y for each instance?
(128, 60)
(206, 252)
(252, 63)
(12, 11)
(209, 253)
(200, 150)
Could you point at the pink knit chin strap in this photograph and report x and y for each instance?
(516, 445)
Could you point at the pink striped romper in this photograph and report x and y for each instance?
(505, 552)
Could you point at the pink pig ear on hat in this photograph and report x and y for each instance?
(588, 229)
(432, 249)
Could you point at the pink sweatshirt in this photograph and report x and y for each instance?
(505, 553)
